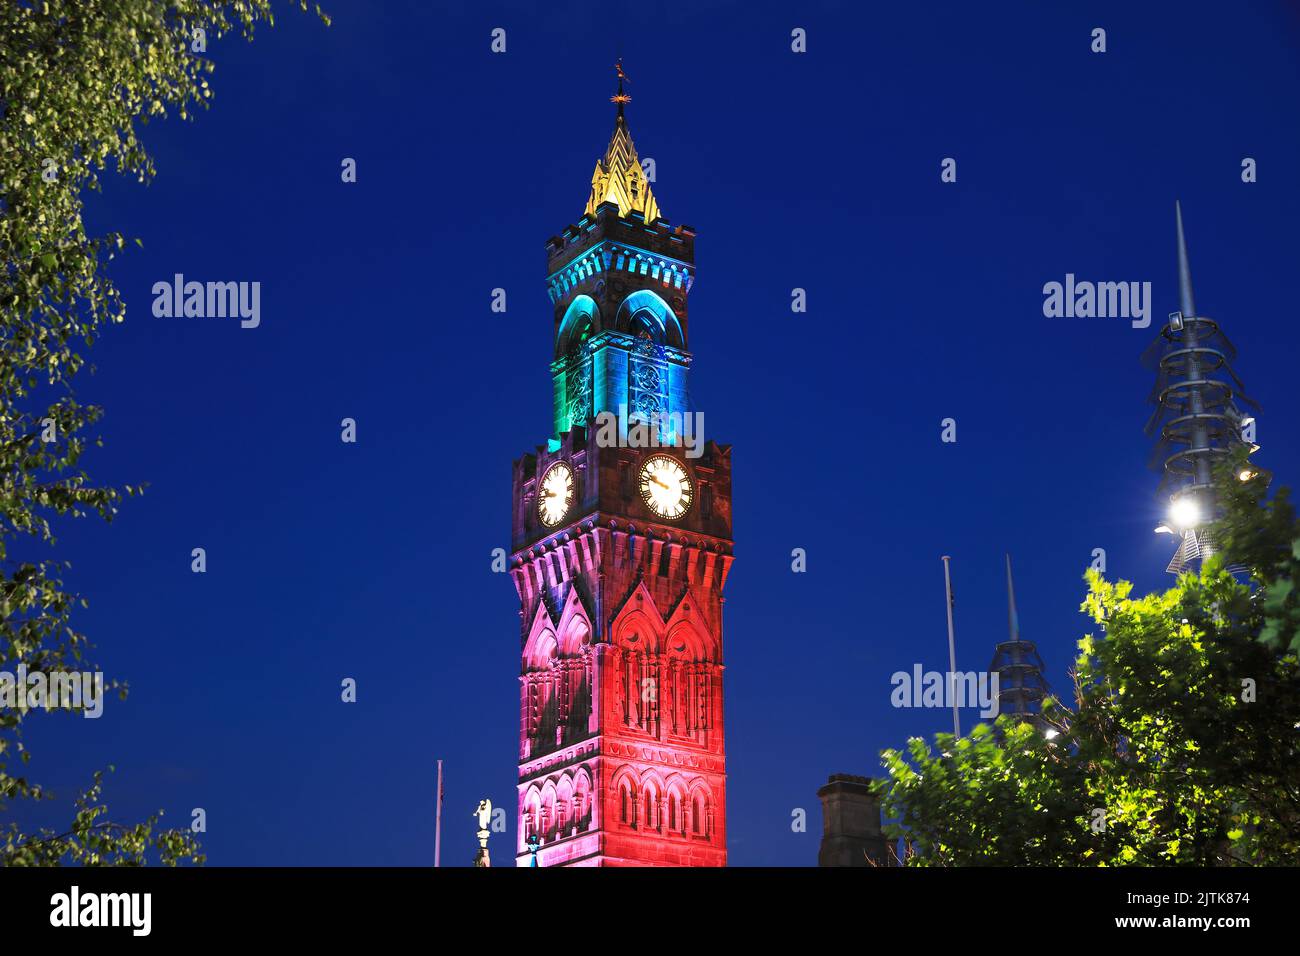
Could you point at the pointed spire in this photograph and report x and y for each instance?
(1013, 617)
(1186, 302)
(618, 177)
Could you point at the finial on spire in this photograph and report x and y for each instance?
(620, 97)
(1185, 300)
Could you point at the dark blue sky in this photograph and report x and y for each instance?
(818, 171)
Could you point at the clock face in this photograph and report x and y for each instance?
(666, 488)
(556, 495)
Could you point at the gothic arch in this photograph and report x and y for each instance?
(547, 825)
(687, 640)
(701, 807)
(652, 791)
(582, 798)
(644, 627)
(564, 808)
(678, 804)
(643, 310)
(540, 650)
(572, 616)
(576, 636)
(532, 813)
(625, 785)
(581, 319)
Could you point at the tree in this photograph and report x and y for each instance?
(75, 77)
(1182, 744)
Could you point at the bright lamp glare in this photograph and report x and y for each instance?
(1246, 474)
(1184, 513)
(1051, 733)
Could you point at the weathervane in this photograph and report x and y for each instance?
(620, 97)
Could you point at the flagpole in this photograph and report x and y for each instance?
(952, 652)
(437, 827)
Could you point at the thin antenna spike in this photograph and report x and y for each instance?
(437, 826)
(1186, 301)
(1013, 617)
(952, 651)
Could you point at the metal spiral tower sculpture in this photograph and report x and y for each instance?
(1196, 416)
(1021, 685)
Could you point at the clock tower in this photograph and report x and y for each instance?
(621, 541)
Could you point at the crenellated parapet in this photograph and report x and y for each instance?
(607, 243)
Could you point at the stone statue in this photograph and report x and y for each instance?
(484, 814)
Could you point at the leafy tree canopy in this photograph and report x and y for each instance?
(1181, 745)
(78, 78)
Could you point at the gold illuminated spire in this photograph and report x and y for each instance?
(618, 177)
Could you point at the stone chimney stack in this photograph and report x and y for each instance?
(850, 823)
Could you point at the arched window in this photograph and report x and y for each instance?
(699, 820)
(651, 819)
(674, 813)
(645, 325)
(580, 322)
(573, 350)
(644, 311)
(626, 804)
(546, 825)
(582, 801)
(531, 814)
(563, 807)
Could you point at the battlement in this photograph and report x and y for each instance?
(608, 242)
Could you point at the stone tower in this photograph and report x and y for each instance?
(621, 548)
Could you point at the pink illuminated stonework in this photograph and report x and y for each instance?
(620, 558)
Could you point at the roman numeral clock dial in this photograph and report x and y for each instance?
(666, 488)
(556, 495)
